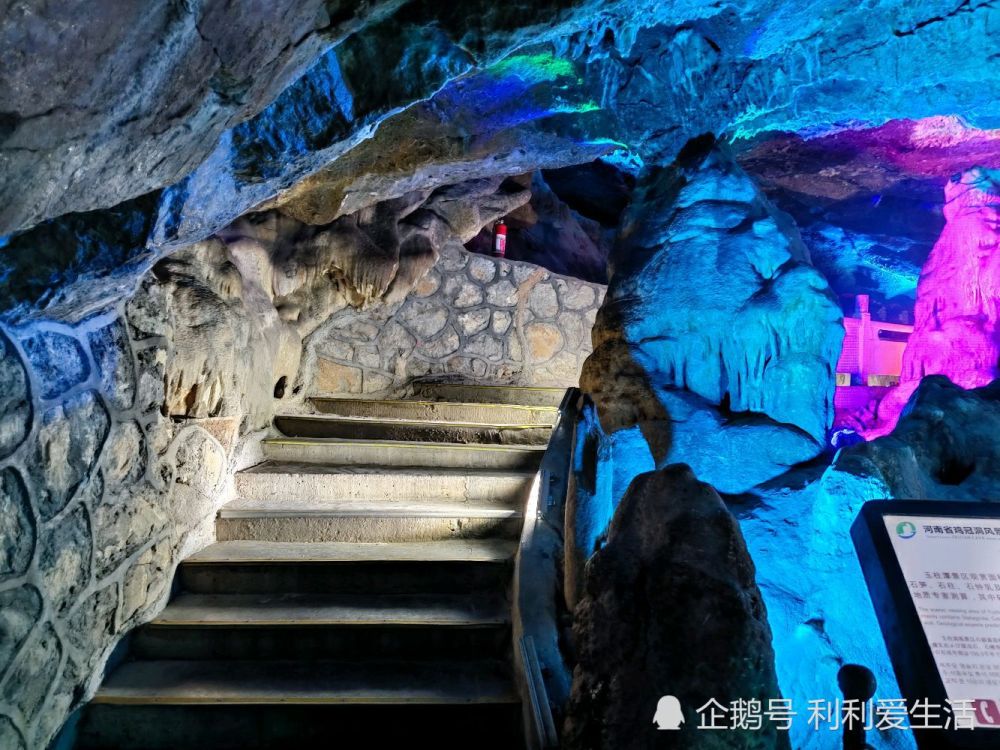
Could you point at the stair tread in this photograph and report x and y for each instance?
(408, 444)
(495, 394)
(452, 550)
(269, 682)
(443, 610)
(303, 467)
(405, 402)
(268, 508)
(415, 422)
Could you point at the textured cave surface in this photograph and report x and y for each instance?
(193, 77)
(731, 374)
(673, 545)
(943, 448)
(868, 202)
(475, 91)
(210, 211)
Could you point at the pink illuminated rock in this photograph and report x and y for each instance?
(870, 161)
(957, 316)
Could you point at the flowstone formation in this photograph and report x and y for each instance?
(957, 316)
(672, 548)
(717, 340)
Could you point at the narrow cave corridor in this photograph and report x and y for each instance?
(534, 375)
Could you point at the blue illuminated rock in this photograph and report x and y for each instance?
(818, 605)
(717, 337)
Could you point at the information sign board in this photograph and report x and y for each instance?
(933, 571)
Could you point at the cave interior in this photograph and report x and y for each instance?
(355, 356)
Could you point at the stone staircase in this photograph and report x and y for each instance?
(358, 593)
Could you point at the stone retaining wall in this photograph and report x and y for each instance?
(471, 318)
(100, 496)
(119, 436)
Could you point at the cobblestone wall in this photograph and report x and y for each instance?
(472, 318)
(107, 481)
(98, 495)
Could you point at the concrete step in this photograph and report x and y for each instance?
(484, 726)
(357, 428)
(490, 394)
(178, 682)
(437, 411)
(242, 567)
(365, 610)
(365, 521)
(334, 452)
(308, 481)
(317, 626)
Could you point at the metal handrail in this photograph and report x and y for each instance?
(540, 671)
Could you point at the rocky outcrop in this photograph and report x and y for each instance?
(91, 86)
(717, 339)
(944, 447)
(671, 608)
(956, 329)
(603, 78)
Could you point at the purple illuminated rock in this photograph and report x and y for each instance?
(944, 447)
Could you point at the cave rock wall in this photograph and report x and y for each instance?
(120, 429)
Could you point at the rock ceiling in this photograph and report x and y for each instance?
(168, 121)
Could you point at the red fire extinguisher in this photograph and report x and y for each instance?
(500, 239)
